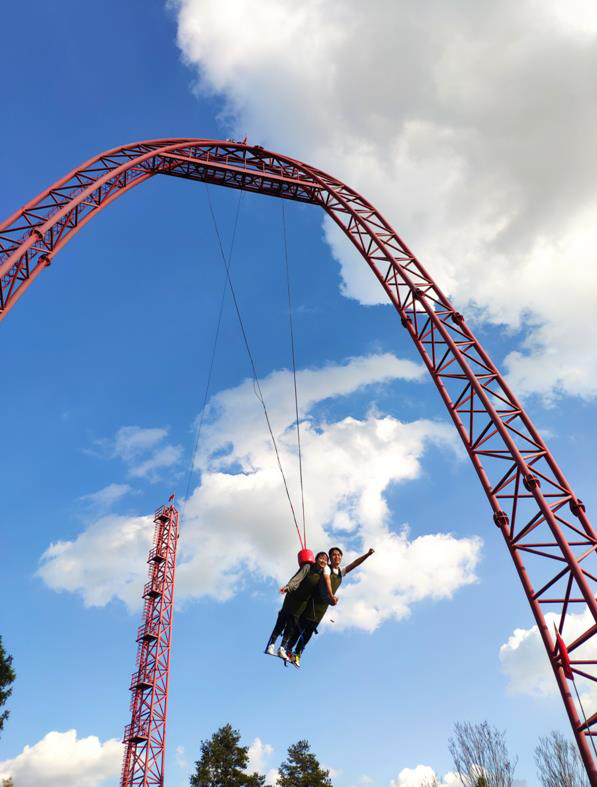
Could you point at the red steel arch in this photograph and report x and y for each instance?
(544, 524)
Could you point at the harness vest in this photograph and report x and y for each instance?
(318, 605)
(296, 601)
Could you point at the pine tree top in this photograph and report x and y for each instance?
(7, 676)
(223, 762)
(302, 769)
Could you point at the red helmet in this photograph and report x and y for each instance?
(305, 556)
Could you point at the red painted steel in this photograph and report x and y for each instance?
(543, 523)
(145, 736)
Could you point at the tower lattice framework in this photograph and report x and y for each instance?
(145, 736)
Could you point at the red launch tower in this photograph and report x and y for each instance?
(145, 736)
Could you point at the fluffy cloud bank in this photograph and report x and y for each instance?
(237, 520)
(60, 760)
(469, 126)
(107, 559)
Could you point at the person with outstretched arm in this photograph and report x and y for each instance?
(298, 591)
(316, 607)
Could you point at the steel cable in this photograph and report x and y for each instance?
(211, 362)
(584, 715)
(296, 408)
(256, 385)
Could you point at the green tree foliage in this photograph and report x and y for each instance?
(223, 762)
(301, 768)
(480, 756)
(559, 763)
(7, 676)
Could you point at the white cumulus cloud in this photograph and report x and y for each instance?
(406, 571)
(348, 467)
(107, 560)
(259, 753)
(424, 776)
(59, 759)
(180, 758)
(259, 756)
(471, 127)
(237, 520)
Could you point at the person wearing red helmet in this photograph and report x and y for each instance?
(298, 591)
(322, 598)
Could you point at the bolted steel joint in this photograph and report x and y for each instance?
(576, 506)
(501, 519)
(531, 482)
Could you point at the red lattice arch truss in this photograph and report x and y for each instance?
(544, 524)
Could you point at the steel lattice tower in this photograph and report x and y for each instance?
(145, 736)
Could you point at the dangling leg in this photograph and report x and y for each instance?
(281, 623)
(306, 629)
(291, 633)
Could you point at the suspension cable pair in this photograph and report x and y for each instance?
(227, 262)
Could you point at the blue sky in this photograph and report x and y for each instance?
(106, 360)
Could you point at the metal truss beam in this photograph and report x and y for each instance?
(544, 524)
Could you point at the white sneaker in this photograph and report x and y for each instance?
(282, 653)
(271, 650)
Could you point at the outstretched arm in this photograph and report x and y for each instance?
(358, 561)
